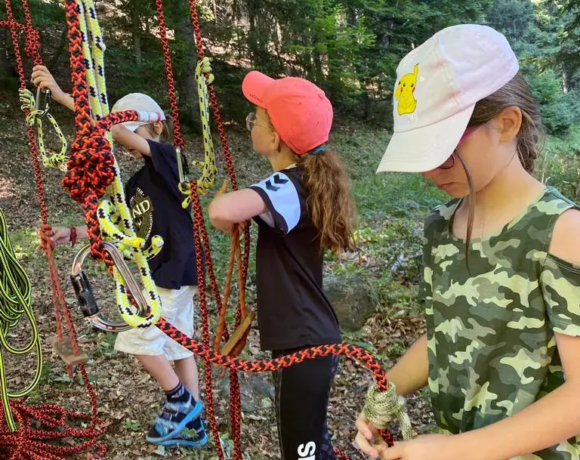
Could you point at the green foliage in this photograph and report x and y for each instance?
(351, 48)
(557, 114)
(561, 163)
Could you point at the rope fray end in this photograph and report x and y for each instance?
(382, 407)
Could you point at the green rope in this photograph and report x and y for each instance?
(384, 406)
(15, 302)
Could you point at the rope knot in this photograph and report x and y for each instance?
(91, 168)
(34, 118)
(29, 104)
(384, 406)
(185, 189)
(204, 67)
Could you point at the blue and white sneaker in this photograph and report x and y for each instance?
(173, 420)
(189, 437)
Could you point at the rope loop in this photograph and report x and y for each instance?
(382, 407)
(90, 168)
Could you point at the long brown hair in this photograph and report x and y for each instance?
(516, 93)
(331, 203)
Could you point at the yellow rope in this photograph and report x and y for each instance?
(34, 118)
(114, 214)
(15, 302)
(208, 165)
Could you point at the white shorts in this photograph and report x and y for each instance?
(176, 308)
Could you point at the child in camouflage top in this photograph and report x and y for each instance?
(501, 356)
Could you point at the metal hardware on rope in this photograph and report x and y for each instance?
(47, 94)
(86, 298)
(179, 164)
(34, 117)
(29, 443)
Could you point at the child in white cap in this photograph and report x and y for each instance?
(155, 203)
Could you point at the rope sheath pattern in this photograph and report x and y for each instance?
(93, 179)
(28, 442)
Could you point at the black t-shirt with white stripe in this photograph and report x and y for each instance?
(292, 308)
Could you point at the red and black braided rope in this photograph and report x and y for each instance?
(271, 365)
(30, 441)
(90, 144)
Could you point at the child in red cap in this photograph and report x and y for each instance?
(302, 209)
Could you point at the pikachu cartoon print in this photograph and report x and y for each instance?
(404, 93)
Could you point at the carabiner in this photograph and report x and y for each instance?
(47, 95)
(86, 298)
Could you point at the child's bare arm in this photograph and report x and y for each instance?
(130, 140)
(43, 79)
(235, 207)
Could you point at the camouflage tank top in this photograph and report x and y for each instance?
(491, 344)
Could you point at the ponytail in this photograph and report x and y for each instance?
(330, 202)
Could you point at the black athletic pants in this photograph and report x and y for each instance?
(302, 394)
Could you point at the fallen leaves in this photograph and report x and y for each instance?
(128, 398)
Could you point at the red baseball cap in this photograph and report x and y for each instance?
(299, 110)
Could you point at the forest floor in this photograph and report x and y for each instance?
(391, 211)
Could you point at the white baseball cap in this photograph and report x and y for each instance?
(437, 87)
(141, 103)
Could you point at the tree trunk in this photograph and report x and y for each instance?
(318, 72)
(63, 41)
(136, 30)
(8, 74)
(6, 69)
(187, 62)
(253, 35)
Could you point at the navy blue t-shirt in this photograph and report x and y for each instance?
(293, 310)
(155, 202)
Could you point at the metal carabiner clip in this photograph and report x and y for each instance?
(179, 163)
(84, 293)
(47, 95)
(86, 298)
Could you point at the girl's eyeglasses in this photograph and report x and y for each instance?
(251, 122)
(450, 162)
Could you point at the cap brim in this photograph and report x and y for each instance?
(132, 125)
(254, 87)
(426, 148)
